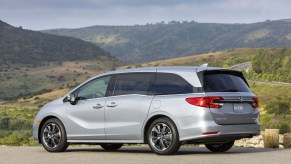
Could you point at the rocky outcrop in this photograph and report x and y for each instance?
(258, 141)
(287, 141)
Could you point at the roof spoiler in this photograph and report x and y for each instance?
(203, 67)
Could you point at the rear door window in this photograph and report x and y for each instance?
(167, 83)
(224, 81)
(133, 83)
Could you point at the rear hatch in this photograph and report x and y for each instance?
(236, 104)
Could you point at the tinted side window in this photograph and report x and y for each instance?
(94, 89)
(223, 81)
(167, 83)
(133, 83)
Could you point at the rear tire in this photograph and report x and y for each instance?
(111, 146)
(53, 136)
(163, 137)
(220, 147)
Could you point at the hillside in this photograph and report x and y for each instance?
(16, 118)
(273, 65)
(219, 59)
(33, 62)
(31, 47)
(25, 81)
(216, 59)
(142, 43)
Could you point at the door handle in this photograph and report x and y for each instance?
(112, 105)
(98, 106)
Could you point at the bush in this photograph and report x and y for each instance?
(284, 128)
(17, 138)
(12, 139)
(4, 133)
(4, 122)
(278, 107)
(20, 124)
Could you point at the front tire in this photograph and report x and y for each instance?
(163, 137)
(223, 147)
(111, 146)
(53, 136)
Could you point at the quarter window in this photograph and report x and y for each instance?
(167, 83)
(133, 83)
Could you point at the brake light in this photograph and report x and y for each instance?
(210, 102)
(255, 104)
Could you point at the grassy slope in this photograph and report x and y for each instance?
(22, 79)
(216, 59)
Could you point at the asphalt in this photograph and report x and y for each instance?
(140, 155)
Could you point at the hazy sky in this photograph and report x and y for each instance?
(47, 14)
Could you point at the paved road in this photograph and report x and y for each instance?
(242, 66)
(137, 155)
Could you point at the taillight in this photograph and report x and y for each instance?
(255, 104)
(210, 102)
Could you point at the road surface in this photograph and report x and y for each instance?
(242, 66)
(137, 155)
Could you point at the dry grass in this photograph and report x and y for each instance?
(49, 95)
(213, 59)
(188, 60)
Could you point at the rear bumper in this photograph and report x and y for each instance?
(218, 138)
(190, 131)
(225, 133)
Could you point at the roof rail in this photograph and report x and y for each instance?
(202, 67)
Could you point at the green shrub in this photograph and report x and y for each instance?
(4, 122)
(20, 124)
(5, 133)
(284, 128)
(278, 107)
(17, 138)
(265, 119)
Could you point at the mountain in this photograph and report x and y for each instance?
(31, 47)
(32, 62)
(142, 43)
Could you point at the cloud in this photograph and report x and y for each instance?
(45, 14)
(18, 4)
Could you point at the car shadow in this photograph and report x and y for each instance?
(183, 150)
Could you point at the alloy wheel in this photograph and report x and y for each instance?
(161, 136)
(52, 135)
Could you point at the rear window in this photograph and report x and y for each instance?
(167, 83)
(224, 81)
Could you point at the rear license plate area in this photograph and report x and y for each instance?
(238, 107)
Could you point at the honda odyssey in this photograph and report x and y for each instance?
(161, 106)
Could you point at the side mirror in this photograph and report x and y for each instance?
(72, 99)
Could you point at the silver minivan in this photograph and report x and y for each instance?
(162, 106)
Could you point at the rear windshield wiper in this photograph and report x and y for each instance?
(230, 90)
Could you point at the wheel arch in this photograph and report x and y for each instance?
(42, 123)
(149, 122)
